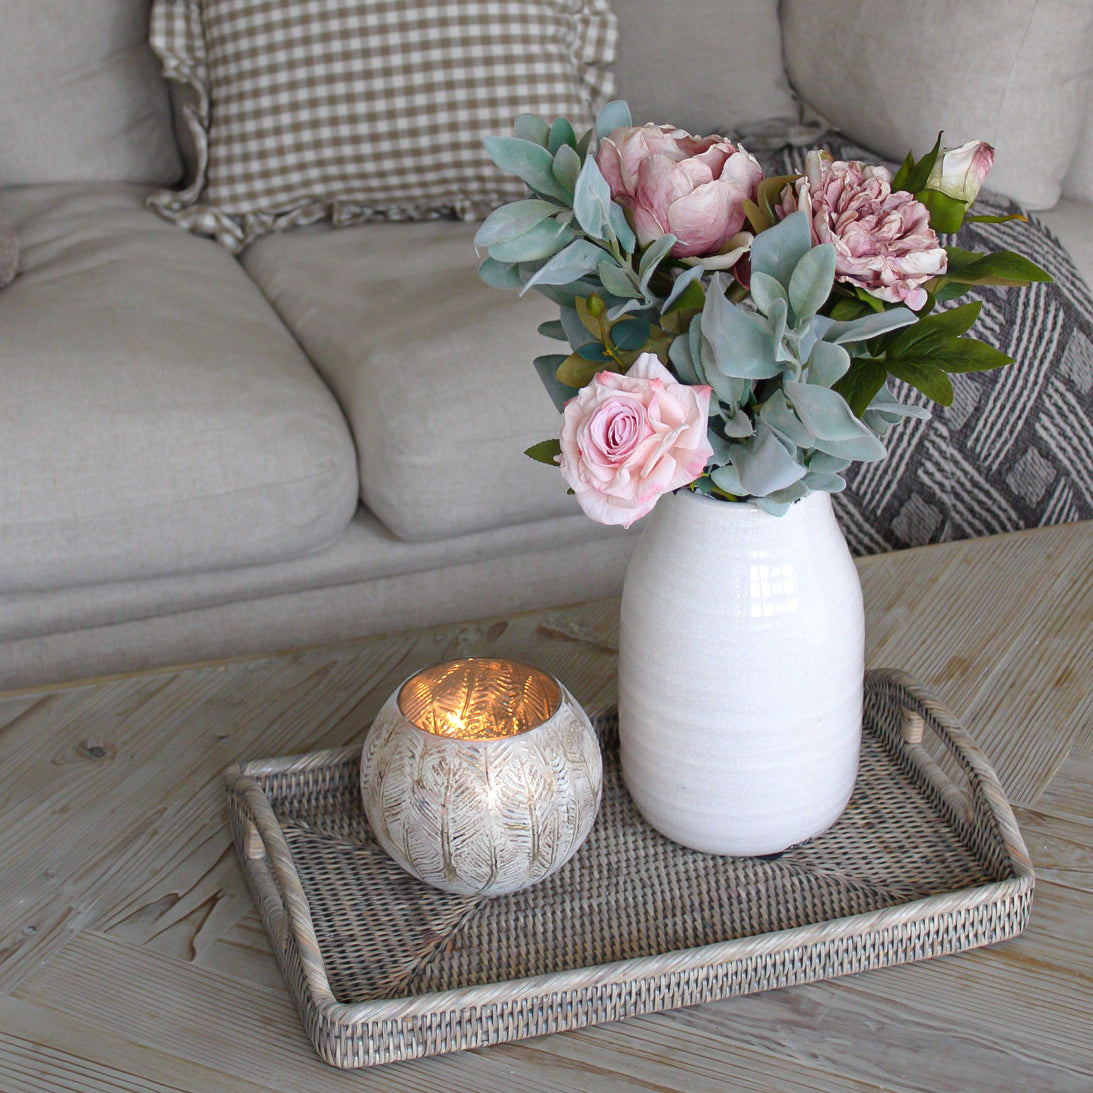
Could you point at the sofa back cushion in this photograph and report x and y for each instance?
(891, 74)
(1078, 183)
(704, 65)
(353, 110)
(81, 96)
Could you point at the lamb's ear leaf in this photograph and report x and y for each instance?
(561, 132)
(532, 127)
(512, 220)
(778, 250)
(568, 265)
(500, 274)
(545, 451)
(541, 241)
(529, 161)
(615, 115)
(592, 200)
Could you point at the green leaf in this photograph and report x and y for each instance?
(541, 241)
(566, 168)
(567, 266)
(985, 219)
(969, 355)
(827, 363)
(846, 309)
(872, 324)
(824, 412)
(500, 274)
(765, 290)
(924, 375)
(769, 194)
(687, 292)
(531, 127)
(528, 161)
(615, 115)
(919, 174)
(776, 252)
(811, 281)
(627, 240)
(545, 451)
(616, 280)
(861, 383)
(512, 220)
(577, 372)
(654, 254)
(737, 343)
(929, 334)
(592, 200)
(593, 351)
(561, 132)
(553, 328)
(547, 367)
(899, 180)
(946, 213)
(763, 465)
(630, 334)
(1000, 268)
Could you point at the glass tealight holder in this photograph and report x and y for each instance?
(481, 776)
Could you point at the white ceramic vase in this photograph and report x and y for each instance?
(741, 662)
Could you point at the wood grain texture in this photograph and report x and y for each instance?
(131, 958)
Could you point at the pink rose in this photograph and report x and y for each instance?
(628, 439)
(959, 172)
(883, 240)
(693, 187)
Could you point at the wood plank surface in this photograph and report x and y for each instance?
(132, 958)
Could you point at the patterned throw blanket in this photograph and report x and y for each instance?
(1015, 449)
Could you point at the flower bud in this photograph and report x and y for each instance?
(959, 172)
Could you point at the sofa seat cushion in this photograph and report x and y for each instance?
(433, 370)
(157, 417)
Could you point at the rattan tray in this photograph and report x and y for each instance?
(926, 860)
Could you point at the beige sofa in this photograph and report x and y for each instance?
(208, 455)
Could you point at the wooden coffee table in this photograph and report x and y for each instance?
(131, 957)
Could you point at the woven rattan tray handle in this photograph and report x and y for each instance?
(981, 795)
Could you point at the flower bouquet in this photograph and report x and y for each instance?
(727, 332)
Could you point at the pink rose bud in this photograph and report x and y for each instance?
(959, 172)
(692, 187)
(627, 439)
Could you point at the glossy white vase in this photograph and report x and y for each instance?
(741, 662)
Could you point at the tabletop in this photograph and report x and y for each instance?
(131, 956)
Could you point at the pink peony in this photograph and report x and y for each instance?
(959, 172)
(883, 240)
(628, 439)
(693, 187)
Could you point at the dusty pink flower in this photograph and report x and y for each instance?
(959, 172)
(883, 239)
(626, 439)
(693, 187)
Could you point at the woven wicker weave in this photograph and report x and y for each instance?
(926, 860)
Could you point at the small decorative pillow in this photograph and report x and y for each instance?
(352, 110)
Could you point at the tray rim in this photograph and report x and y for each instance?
(276, 887)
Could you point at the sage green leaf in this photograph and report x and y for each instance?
(561, 132)
(653, 256)
(687, 292)
(777, 251)
(827, 364)
(725, 478)
(763, 465)
(778, 414)
(546, 451)
(512, 220)
(615, 115)
(765, 290)
(679, 353)
(861, 383)
(737, 425)
(547, 367)
(823, 482)
(624, 234)
(553, 328)
(824, 412)
(616, 280)
(531, 127)
(544, 239)
(500, 274)
(870, 325)
(867, 448)
(528, 161)
(566, 168)
(822, 463)
(811, 281)
(568, 265)
(736, 343)
(592, 200)
(924, 376)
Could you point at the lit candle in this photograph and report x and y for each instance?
(481, 776)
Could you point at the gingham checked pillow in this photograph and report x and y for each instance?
(302, 110)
